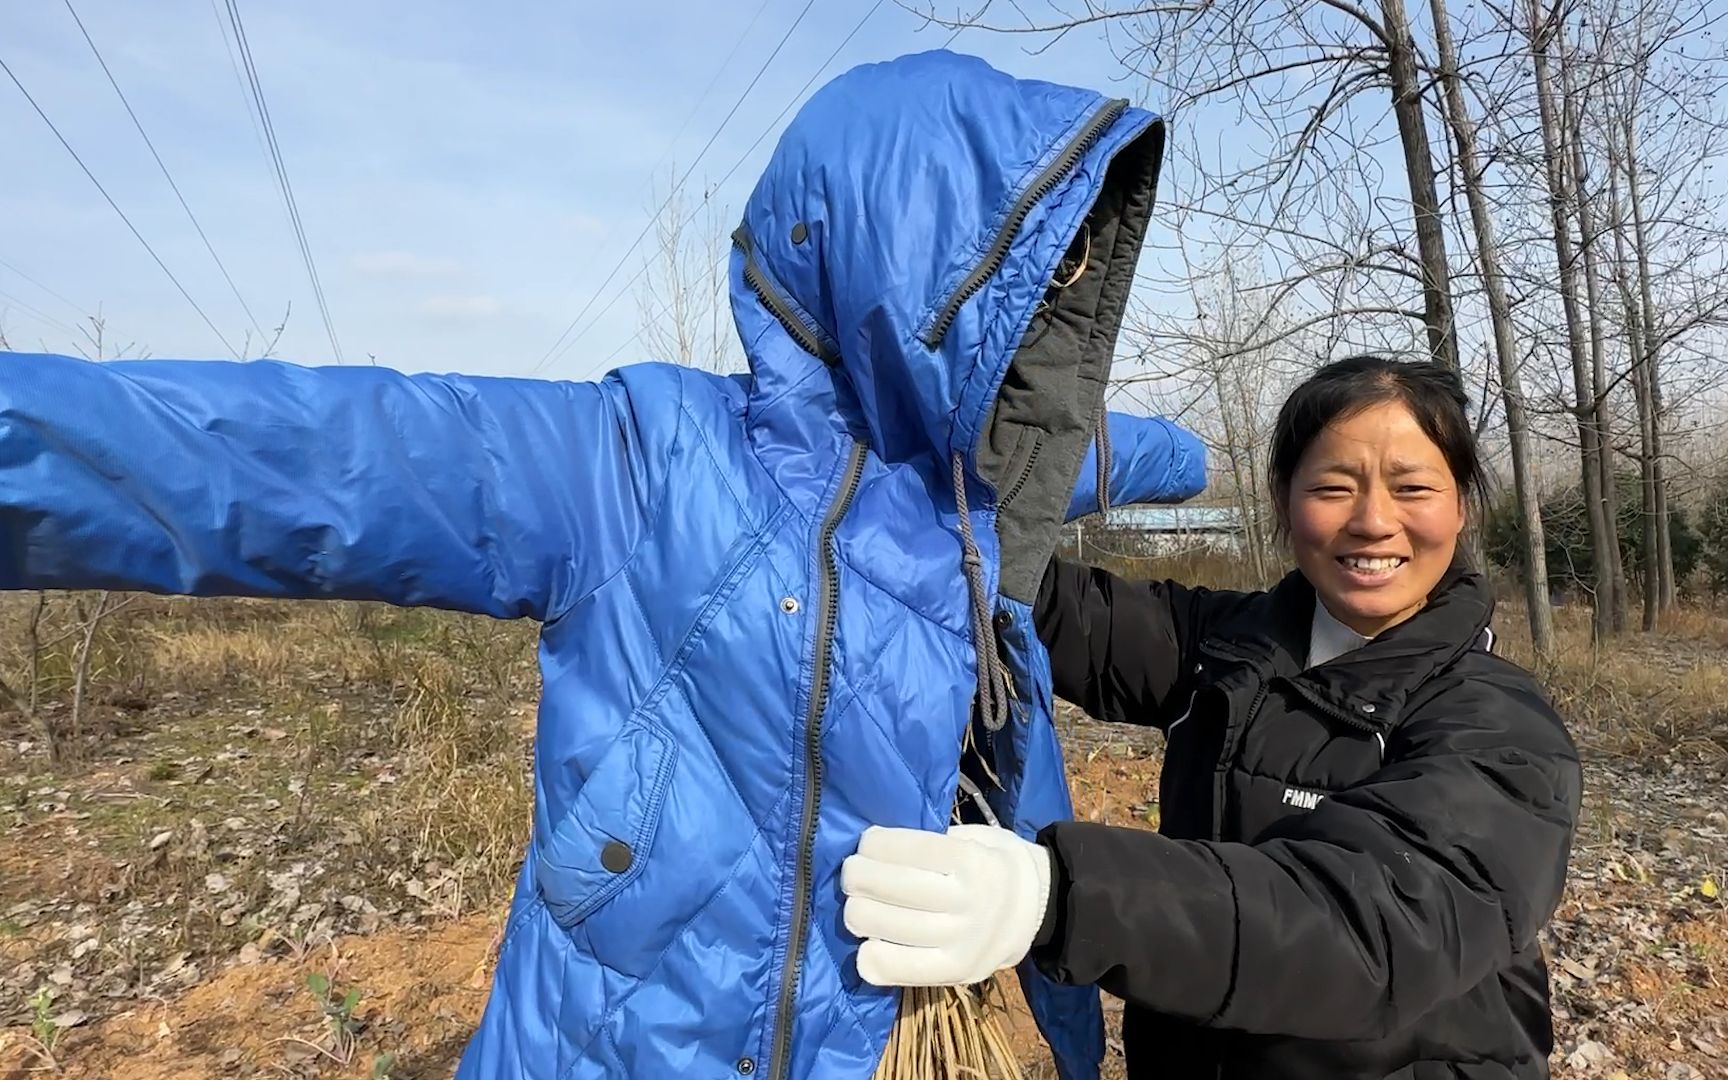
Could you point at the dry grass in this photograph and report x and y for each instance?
(446, 700)
(950, 1033)
(398, 743)
(1639, 695)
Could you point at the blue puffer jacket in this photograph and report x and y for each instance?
(770, 617)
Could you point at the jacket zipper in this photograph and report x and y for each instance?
(1025, 472)
(1107, 114)
(828, 615)
(777, 305)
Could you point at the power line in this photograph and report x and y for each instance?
(39, 314)
(240, 82)
(736, 165)
(634, 244)
(702, 98)
(44, 288)
(281, 168)
(160, 165)
(695, 108)
(140, 236)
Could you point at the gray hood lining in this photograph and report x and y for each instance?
(1052, 397)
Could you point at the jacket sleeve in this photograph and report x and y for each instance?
(1151, 460)
(1116, 646)
(497, 496)
(1359, 916)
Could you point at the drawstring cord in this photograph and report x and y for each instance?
(994, 691)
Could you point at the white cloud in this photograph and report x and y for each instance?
(460, 307)
(403, 264)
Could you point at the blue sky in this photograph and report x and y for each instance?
(467, 175)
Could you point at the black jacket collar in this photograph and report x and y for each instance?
(1370, 685)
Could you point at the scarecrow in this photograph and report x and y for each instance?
(777, 607)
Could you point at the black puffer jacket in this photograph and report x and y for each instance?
(1355, 859)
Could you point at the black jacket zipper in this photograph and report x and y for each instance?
(809, 340)
(1046, 182)
(827, 616)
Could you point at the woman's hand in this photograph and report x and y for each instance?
(941, 909)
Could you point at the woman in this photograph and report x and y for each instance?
(1366, 814)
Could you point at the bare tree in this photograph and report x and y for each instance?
(1408, 107)
(1542, 29)
(1238, 383)
(1573, 181)
(1525, 495)
(684, 310)
(81, 667)
(1594, 414)
(1658, 129)
(1663, 540)
(1318, 89)
(97, 345)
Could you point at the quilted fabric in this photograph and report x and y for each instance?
(756, 634)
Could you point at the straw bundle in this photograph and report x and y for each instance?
(954, 1032)
(950, 1033)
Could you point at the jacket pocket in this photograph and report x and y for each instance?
(605, 840)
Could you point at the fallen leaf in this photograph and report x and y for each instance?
(1577, 970)
(71, 1018)
(1589, 1054)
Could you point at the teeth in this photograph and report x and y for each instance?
(1373, 566)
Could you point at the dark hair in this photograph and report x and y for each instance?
(1432, 392)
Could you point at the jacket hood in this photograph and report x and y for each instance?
(959, 245)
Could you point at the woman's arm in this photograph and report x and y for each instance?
(500, 496)
(1116, 646)
(1388, 898)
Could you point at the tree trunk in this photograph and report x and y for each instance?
(1252, 505)
(1664, 541)
(81, 677)
(1524, 491)
(33, 642)
(1239, 432)
(1641, 392)
(1647, 473)
(1610, 591)
(1584, 407)
(31, 703)
(1408, 109)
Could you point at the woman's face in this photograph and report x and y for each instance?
(1374, 516)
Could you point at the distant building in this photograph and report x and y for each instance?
(1158, 530)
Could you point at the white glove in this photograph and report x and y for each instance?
(944, 909)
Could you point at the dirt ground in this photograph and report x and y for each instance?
(169, 899)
